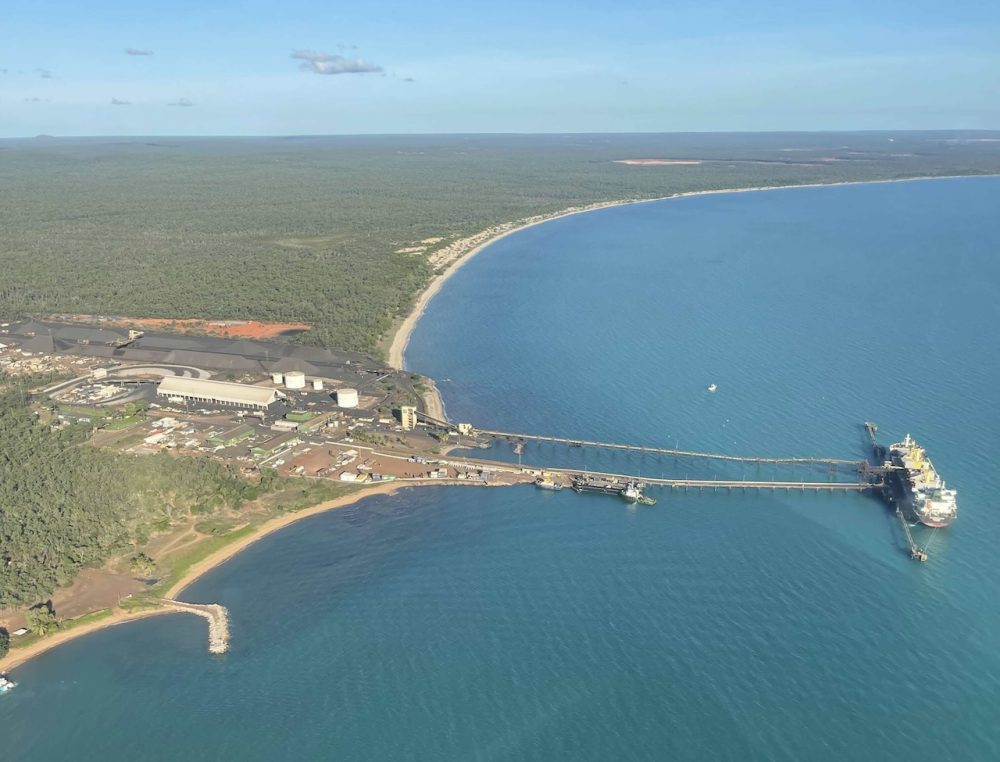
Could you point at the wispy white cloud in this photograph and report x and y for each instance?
(43, 73)
(181, 102)
(137, 52)
(331, 63)
(36, 100)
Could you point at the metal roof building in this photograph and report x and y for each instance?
(221, 392)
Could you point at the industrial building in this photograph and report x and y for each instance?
(408, 417)
(233, 436)
(276, 444)
(218, 392)
(317, 422)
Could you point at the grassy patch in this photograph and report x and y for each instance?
(64, 626)
(130, 440)
(94, 413)
(217, 526)
(299, 494)
(141, 602)
(184, 560)
(80, 621)
(294, 497)
(123, 423)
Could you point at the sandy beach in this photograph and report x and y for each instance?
(433, 402)
(451, 259)
(19, 656)
(456, 254)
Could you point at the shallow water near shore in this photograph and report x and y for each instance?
(460, 624)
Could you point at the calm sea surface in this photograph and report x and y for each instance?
(461, 624)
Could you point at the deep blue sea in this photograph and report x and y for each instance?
(465, 624)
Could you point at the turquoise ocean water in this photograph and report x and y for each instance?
(463, 624)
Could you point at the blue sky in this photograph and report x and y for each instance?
(228, 68)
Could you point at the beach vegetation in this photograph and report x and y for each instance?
(181, 562)
(64, 625)
(4, 642)
(41, 619)
(141, 565)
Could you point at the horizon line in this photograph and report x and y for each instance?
(908, 130)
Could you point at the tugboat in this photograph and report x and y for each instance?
(547, 482)
(6, 685)
(634, 494)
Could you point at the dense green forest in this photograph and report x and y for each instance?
(65, 505)
(308, 228)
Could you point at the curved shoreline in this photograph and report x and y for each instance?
(18, 656)
(476, 243)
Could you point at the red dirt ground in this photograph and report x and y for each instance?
(243, 329)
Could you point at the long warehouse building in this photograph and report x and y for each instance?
(219, 392)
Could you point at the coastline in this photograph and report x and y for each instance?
(456, 254)
(18, 656)
(458, 257)
(434, 402)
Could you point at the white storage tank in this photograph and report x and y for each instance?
(318, 384)
(295, 379)
(347, 398)
(277, 377)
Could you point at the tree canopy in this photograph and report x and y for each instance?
(336, 232)
(65, 505)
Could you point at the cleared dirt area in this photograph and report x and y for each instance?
(240, 329)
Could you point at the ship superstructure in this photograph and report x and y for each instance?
(919, 489)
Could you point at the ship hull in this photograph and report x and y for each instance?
(935, 523)
(902, 495)
(598, 490)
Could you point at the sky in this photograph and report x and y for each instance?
(260, 67)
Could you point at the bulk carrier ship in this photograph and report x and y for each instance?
(917, 487)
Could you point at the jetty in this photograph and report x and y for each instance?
(518, 438)
(216, 615)
(731, 484)
(869, 476)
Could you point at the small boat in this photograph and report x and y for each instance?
(6, 685)
(712, 387)
(547, 483)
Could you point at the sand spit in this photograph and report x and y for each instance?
(657, 162)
